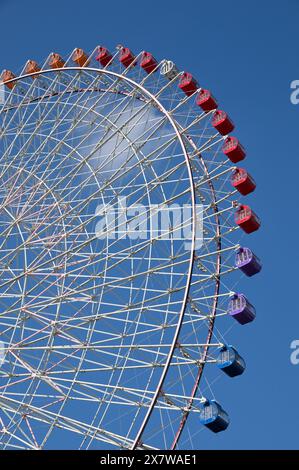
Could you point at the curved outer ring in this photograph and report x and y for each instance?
(212, 321)
(137, 442)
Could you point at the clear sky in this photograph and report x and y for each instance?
(247, 54)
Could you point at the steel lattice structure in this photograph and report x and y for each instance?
(107, 338)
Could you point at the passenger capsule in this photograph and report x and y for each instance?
(188, 84)
(247, 219)
(230, 361)
(233, 149)
(148, 62)
(104, 56)
(126, 56)
(222, 122)
(31, 67)
(248, 262)
(7, 75)
(243, 181)
(169, 69)
(56, 61)
(80, 57)
(241, 309)
(213, 416)
(206, 100)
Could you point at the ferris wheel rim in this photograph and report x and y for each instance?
(212, 320)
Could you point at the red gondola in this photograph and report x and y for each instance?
(247, 219)
(222, 122)
(148, 62)
(104, 56)
(188, 84)
(126, 56)
(233, 149)
(206, 100)
(243, 181)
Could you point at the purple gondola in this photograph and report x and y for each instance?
(230, 361)
(248, 262)
(213, 416)
(241, 309)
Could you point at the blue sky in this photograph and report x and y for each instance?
(246, 53)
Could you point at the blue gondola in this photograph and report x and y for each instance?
(213, 416)
(230, 361)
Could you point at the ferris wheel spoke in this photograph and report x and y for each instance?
(63, 422)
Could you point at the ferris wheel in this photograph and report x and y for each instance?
(121, 216)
